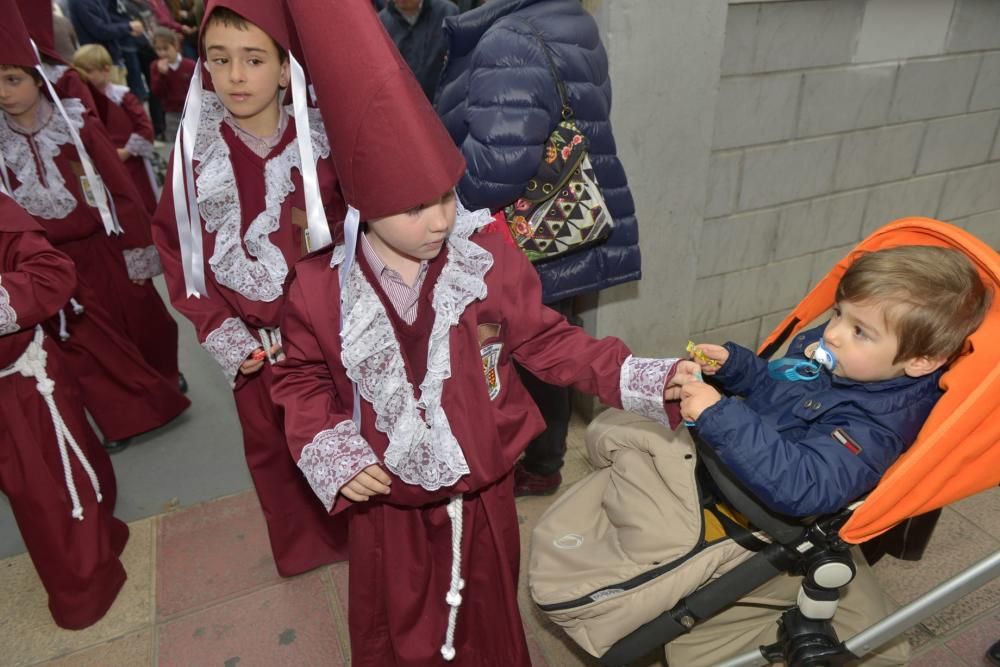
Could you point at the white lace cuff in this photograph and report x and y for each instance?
(333, 458)
(8, 318)
(641, 383)
(231, 344)
(137, 145)
(143, 263)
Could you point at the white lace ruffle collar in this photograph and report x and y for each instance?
(252, 265)
(422, 451)
(46, 198)
(115, 93)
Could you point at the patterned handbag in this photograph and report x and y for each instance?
(562, 209)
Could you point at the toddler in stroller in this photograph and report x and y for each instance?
(813, 432)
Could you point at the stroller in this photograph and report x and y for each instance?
(956, 454)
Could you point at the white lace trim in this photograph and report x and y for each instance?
(641, 384)
(231, 344)
(333, 458)
(54, 72)
(421, 451)
(139, 145)
(116, 93)
(50, 200)
(143, 263)
(258, 270)
(8, 317)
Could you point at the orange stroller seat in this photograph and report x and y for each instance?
(956, 454)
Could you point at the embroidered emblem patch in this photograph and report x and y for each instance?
(840, 435)
(491, 359)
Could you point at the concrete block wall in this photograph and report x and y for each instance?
(832, 118)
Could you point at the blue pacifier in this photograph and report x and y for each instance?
(799, 370)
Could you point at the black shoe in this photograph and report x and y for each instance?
(993, 654)
(115, 446)
(182, 383)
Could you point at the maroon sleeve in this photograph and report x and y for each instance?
(210, 314)
(324, 442)
(158, 84)
(541, 339)
(37, 280)
(131, 212)
(141, 124)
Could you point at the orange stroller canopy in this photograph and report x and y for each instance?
(957, 453)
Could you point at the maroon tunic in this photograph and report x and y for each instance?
(130, 127)
(171, 88)
(105, 264)
(244, 298)
(77, 560)
(400, 544)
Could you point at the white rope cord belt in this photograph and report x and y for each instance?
(271, 338)
(63, 329)
(32, 364)
(454, 597)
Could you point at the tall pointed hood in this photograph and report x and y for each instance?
(37, 16)
(15, 42)
(390, 149)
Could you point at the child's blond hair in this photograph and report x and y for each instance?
(90, 57)
(933, 298)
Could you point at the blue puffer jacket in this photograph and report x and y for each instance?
(786, 441)
(498, 100)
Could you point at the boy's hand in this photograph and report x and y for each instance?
(696, 397)
(686, 371)
(162, 65)
(123, 154)
(706, 353)
(367, 483)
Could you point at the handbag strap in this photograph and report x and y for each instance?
(567, 110)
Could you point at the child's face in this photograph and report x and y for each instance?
(415, 235)
(166, 50)
(865, 347)
(246, 69)
(19, 93)
(99, 77)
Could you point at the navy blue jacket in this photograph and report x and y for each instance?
(780, 441)
(97, 22)
(421, 44)
(498, 100)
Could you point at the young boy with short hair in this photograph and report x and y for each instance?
(125, 118)
(807, 434)
(169, 77)
(401, 403)
(229, 237)
(901, 315)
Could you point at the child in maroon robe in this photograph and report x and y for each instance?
(169, 77)
(68, 83)
(56, 162)
(226, 254)
(59, 481)
(402, 405)
(125, 118)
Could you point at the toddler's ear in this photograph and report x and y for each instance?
(921, 366)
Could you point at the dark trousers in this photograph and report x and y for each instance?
(544, 455)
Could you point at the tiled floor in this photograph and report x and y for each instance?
(203, 590)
